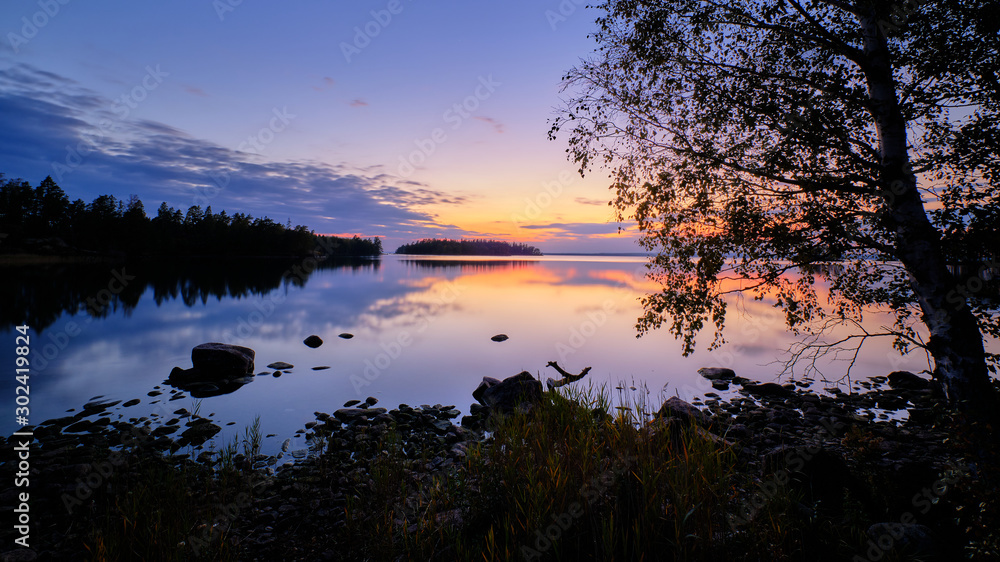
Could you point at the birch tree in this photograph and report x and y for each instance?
(757, 142)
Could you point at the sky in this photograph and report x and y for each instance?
(404, 119)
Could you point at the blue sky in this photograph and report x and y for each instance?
(398, 118)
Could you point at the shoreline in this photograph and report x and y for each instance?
(780, 446)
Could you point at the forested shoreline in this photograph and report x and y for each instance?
(43, 220)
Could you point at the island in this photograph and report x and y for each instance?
(445, 247)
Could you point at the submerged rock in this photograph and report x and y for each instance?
(907, 381)
(717, 373)
(767, 389)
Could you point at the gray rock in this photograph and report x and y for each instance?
(220, 360)
(717, 373)
(513, 392)
(675, 407)
(767, 389)
(348, 415)
(720, 385)
(487, 383)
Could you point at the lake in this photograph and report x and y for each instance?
(422, 331)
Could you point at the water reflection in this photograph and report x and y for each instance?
(39, 295)
(422, 333)
(468, 265)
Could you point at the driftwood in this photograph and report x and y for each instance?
(567, 377)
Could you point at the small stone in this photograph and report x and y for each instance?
(313, 341)
(346, 336)
(720, 385)
(281, 366)
(500, 337)
(131, 402)
(277, 374)
(371, 401)
(321, 368)
(350, 403)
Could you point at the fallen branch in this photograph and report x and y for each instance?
(567, 377)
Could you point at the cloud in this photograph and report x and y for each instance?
(578, 229)
(358, 103)
(60, 129)
(326, 85)
(585, 201)
(196, 91)
(497, 126)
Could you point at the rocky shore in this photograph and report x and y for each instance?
(902, 484)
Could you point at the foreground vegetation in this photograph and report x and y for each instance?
(562, 480)
(468, 248)
(42, 220)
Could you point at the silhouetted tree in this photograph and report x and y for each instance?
(749, 139)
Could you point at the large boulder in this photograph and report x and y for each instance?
(674, 407)
(487, 383)
(513, 392)
(222, 361)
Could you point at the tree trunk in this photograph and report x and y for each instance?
(955, 343)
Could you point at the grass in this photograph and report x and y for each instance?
(587, 474)
(155, 509)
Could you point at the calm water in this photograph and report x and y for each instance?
(422, 330)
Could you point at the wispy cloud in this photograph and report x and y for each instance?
(358, 103)
(497, 126)
(196, 91)
(578, 229)
(58, 128)
(586, 201)
(325, 84)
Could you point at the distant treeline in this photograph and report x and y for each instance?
(468, 248)
(43, 220)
